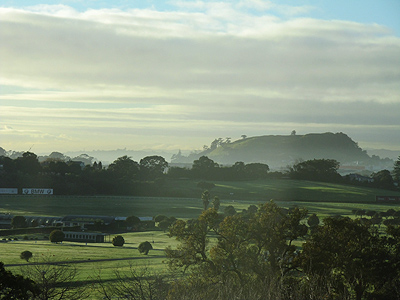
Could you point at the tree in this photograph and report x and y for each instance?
(256, 170)
(153, 167)
(204, 167)
(350, 253)
(313, 221)
(159, 218)
(396, 170)
(56, 236)
(124, 168)
(28, 163)
(166, 222)
(205, 197)
(145, 247)
(118, 241)
(383, 179)
(316, 169)
(260, 248)
(136, 283)
(16, 287)
(132, 221)
(54, 279)
(19, 222)
(216, 203)
(229, 210)
(26, 255)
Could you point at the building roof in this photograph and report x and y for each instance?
(88, 219)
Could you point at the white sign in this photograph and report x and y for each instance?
(8, 191)
(37, 191)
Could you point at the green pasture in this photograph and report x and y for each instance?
(326, 198)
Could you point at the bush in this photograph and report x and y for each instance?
(26, 255)
(159, 218)
(56, 236)
(145, 247)
(118, 241)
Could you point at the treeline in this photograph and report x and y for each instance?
(148, 176)
(265, 252)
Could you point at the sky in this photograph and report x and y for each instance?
(102, 75)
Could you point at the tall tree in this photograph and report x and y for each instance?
(396, 170)
(350, 253)
(153, 167)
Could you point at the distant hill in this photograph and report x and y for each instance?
(282, 150)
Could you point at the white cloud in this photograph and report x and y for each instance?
(205, 68)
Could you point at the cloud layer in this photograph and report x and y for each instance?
(187, 76)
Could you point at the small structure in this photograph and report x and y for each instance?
(85, 237)
(360, 178)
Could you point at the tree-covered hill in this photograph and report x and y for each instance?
(281, 150)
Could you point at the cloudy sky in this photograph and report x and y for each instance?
(87, 75)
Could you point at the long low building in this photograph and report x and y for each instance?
(88, 237)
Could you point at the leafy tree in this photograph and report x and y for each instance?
(118, 241)
(19, 222)
(245, 249)
(159, 218)
(396, 170)
(256, 170)
(313, 221)
(204, 167)
(132, 221)
(26, 255)
(229, 210)
(351, 254)
(28, 163)
(216, 203)
(316, 169)
(153, 167)
(383, 179)
(124, 168)
(56, 236)
(166, 222)
(145, 247)
(16, 287)
(205, 197)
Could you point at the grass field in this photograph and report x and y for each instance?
(316, 195)
(183, 202)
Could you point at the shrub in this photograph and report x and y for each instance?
(26, 255)
(145, 247)
(56, 236)
(159, 218)
(118, 241)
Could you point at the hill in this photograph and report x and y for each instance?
(282, 150)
